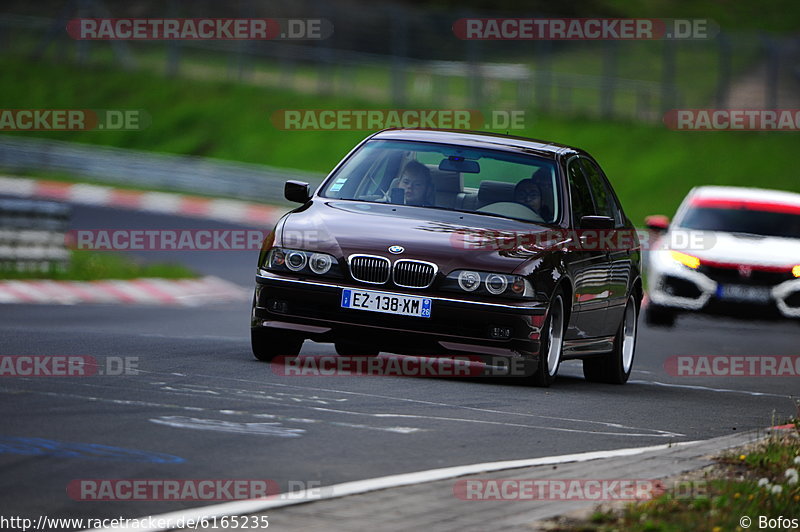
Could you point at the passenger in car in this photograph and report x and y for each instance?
(416, 184)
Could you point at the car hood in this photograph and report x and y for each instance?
(453, 240)
(752, 250)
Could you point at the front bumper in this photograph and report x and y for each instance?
(672, 285)
(456, 326)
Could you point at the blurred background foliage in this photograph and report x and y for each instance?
(215, 99)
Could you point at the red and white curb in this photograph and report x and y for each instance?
(164, 292)
(160, 202)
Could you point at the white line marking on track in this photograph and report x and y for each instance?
(273, 428)
(654, 434)
(373, 484)
(709, 389)
(659, 433)
(288, 419)
(639, 431)
(249, 394)
(625, 430)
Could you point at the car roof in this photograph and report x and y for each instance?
(478, 139)
(746, 193)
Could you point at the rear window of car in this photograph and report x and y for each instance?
(481, 181)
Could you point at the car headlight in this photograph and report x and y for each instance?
(687, 260)
(796, 271)
(320, 263)
(469, 281)
(296, 260)
(488, 283)
(496, 284)
(300, 261)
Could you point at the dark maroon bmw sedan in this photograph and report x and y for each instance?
(454, 243)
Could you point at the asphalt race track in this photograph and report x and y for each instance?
(201, 407)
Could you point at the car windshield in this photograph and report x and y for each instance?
(441, 176)
(743, 220)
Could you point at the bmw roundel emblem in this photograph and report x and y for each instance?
(396, 250)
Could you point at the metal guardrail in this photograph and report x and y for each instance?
(32, 235)
(191, 174)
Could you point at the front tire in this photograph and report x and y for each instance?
(657, 316)
(350, 349)
(615, 368)
(270, 343)
(552, 344)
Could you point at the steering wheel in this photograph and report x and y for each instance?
(512, 209)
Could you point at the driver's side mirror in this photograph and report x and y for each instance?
(296, 191)
(657, 222)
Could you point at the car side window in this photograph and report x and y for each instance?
(603, 197)
(580, 196)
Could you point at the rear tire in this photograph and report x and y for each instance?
(270, 343)
(615, 367)
(552, 343)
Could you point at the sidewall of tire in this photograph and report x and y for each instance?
(542, 377)
(608, 368)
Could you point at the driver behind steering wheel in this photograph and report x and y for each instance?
(529, 194)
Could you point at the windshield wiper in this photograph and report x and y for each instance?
(743, 234)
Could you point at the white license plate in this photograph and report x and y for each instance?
(752, 294)
(374, 301)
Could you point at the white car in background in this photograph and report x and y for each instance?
(729, 250)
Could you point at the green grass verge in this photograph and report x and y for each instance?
(96, 265)
(753, 483)
(651, 167)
